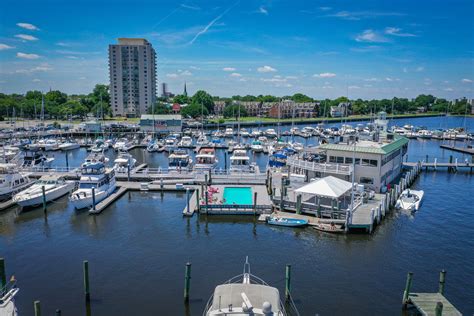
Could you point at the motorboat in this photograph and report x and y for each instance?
(179, 159)
(70, 145)
(171, 143)
(244, 133)
(153, 146)
(51, 145)
(255, 133)
(96, 157)
(93, 176)
(271, 133)
(205, 159)
(186, 141)
(329, 228)
(240, 162)
(277, 159)
(247, 294)
(122, 144)
(229, 132)
(12, 180)
(36, 158)
(256, 146)
(202, 140)
(287, 221)
(124, 161)
(410, 200)
(7, 298)
(54, 188)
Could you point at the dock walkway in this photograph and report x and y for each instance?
(426, 304)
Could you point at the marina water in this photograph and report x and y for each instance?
(137, 249)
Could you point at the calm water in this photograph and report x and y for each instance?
(138, 247)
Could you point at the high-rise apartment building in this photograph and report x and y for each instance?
(132, 70)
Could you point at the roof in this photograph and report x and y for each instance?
(160, 117)
(330, 186)
(368, 146)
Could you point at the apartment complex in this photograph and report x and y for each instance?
(132, 67)
(284, 109)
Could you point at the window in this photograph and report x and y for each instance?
(369, 162)
(348, 160)
(332, 159)
(340, 159)
(365, 180)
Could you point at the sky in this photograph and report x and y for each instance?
(325, 49)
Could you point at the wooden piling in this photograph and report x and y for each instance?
(197, 201)
(85, 271)
(44, 198)
(93, 199)
(439, 309)
(442, 281)
(255, 203)
(406, 293)
(282, 192)
(58, 312)
(3, 275)
(67, 162)
(287, 281)
(187, 281)
(37, 306)
(298, 204)
(187, 201)
(161, 184)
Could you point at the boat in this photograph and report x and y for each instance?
(36, 158)
(410, 200)
(121, 144)
(271, 133)
(202, 140)
(246, 294)
(96, 157)
(7, 298)
(287, 221)
(93, 176)
(256, 146)
(206, 159)
(240, 162)
(124, 161)
(229, 132)
(54, 188)
(179, 159)
(329, 228)
(153, 146)
(171, 143)
(278, 159)
(255, 133)
(186, 141)
(244, 133)
(12, 180)
(69, 146)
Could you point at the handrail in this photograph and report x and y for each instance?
(322, 167)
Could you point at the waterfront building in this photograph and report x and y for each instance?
(132, 70)
(219, 107)
(341, 110)
(163, 123)
(284, 109)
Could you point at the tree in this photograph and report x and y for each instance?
(233, 111)
(55, 97)
(181, 99)
(301, 98)
(203, 98)
(159, 108)
(194, 110)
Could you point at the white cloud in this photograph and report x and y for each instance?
(228, 69)
(26, 37)
(266, 69)
(262, 10)
(5, 46)
(291, 77)
(325, 8)
(28, 26)
(186, 73)
(354, 87)
(395, 31)
(371, 79)
(325, 75)
(36, 80)
(27, 56)
(405, 70)
(235, 74)
(194, 67)
(368, 85)
(465, 80)
(172, 76)
(72, 57)
(41, 68)
(62, 44)
(419, 69)
(242, 79)
(82, 78)
(370, 36)
(274, 79)
(389, 79)
(448, 89)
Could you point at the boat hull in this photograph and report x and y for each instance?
(50, 195)
(287, 222)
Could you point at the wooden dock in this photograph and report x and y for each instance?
(108, 200)
(464, 150)
(193, 204)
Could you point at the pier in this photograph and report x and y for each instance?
(464, 150)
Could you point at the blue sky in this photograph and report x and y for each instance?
(367, 49)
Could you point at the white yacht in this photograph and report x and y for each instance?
(54, 187)
(93, 175)
(271, 133)
(410, 200)
(244, 133)
(12, 181)
(124, 161)
(179, 159)
(70, 145)
(122, 144)
(229, 132)
(7, 298)
(256, 133)
(240, 162)
(256, 146)
(186, 141)
(51, 145)
(171, 143)
(206, 159)
(36, 158)
(96, 157)
(202, 140)
(246, 294)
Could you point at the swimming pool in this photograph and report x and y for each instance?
(239, 195)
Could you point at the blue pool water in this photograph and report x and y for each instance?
(241, 196)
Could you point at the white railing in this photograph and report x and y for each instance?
(319, 167)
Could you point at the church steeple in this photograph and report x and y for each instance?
(185, 93)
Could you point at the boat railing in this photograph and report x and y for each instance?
(8, 292)
(319, 167)
(48, 169)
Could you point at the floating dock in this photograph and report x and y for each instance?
(108, 200)
(464, 150)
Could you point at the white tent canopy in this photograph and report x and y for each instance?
(330, 186)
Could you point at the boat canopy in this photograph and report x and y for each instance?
(330, 186)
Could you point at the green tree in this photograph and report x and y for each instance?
(159, 108)
(194, 110)
(301, 98)
(233, 111)
(181, 99)
(201, 97)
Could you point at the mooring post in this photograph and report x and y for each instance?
(287, 281)
(442, 281)
(282, 192)
(298, 204)
(187, 281)
(93, 198)
(161, 183)
(255, 203)
(67, 162)
(44, 198)
(225, 161)
(85, 271)
(187, 200)
(210, 176)
(439, 309)
(270, 185)
(3, 275)
(37, 305)
(197, 200)
(205, 179)
(128, 172)
(406, 293)
(450, 169)
(58, 312)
